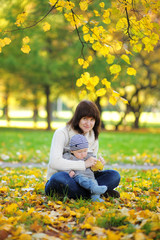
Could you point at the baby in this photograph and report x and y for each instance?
(86, 179)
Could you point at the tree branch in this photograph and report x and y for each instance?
(128, 28)
(34, 24)
(79, 36)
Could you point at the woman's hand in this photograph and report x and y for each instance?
(72, 173)
(90, 162)
(102, 160)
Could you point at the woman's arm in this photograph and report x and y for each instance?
(95, 147)
(100, 158)
(56, 161)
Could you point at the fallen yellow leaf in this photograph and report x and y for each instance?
(97, 166)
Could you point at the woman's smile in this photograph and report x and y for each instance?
(86, 124)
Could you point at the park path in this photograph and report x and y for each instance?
(44, 165)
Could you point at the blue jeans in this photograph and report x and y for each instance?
(63, 184)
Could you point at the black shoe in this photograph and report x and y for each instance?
(112, 193)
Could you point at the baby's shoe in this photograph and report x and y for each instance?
(96, 198)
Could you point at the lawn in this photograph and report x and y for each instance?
(130, 147)
(116, 147)
(26, 213)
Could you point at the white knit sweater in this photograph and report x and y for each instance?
(61, 140)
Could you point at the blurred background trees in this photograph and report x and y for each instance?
(142, 93)
(49, 71)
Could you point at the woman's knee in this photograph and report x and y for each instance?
(117, 175)
(62, 183)
(110, 178)
(61, 178)
(57, 182)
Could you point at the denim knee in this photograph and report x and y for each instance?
(63, 184)
(57, 182)
(117, 176)
(110, 178)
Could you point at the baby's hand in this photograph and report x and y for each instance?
(72, 173)
(102, 160)
(98, 166)
(91, 161)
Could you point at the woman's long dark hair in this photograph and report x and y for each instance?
(86, 109)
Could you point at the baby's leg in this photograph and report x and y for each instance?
(90, 184)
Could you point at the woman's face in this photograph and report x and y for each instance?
(86, 124)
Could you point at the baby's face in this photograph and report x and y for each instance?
(80, 154)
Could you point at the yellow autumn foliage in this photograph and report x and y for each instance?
(11, 208)
(124, 31)
(110, 59)
(131, 71)
(115, 68)
(32, 215)
(83, 5)
(101, 92)
(113, 100)
(46, 27)
(21, 18)
(25, 48)
(7, 41)
(126, 58)
(26, 40)
(102, 4)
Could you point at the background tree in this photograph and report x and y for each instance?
(49, 66)
(112, 33)
(105, 27)
(142, 94)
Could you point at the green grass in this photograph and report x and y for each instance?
(130, 143)
(130, 147)
(116, 147)
(25, 145)
(107, 221)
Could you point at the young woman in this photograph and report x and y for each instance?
(86, 121)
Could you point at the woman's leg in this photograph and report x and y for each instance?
(62, 183)
(110, 178)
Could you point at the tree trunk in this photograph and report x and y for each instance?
(136, 122)
(35, 111)
(100, 109)
(121, 121)
(35, 115)
(48, 106)
(6, 109)
(137, 112)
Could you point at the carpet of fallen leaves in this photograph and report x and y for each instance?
(26, 213)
